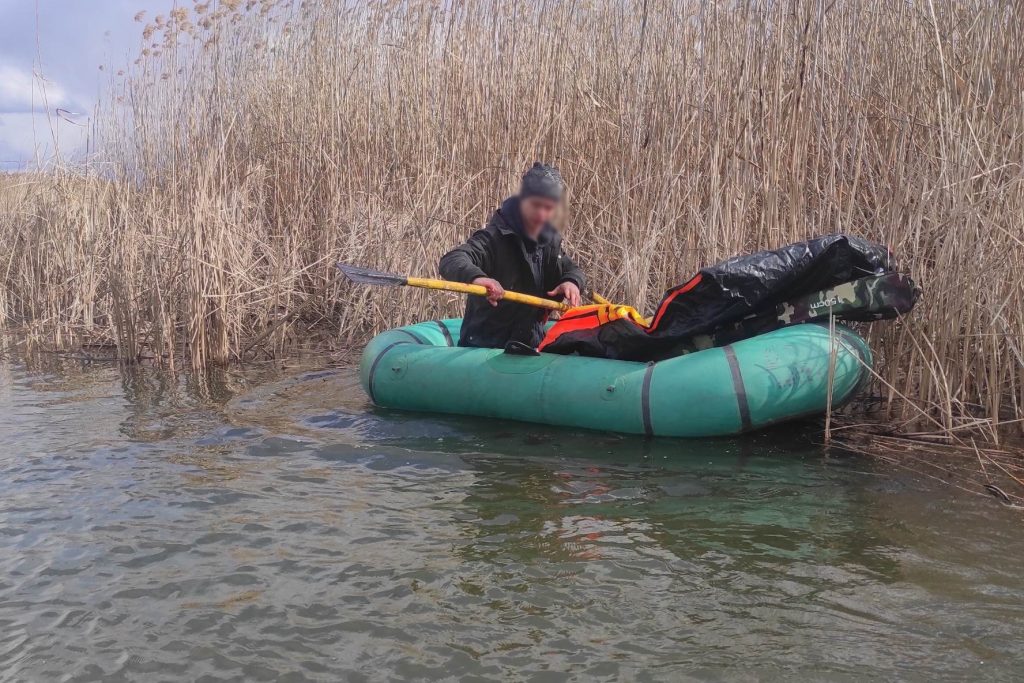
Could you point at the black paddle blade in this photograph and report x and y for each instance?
(368, 276)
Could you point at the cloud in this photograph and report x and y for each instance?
(20, 91)
(30, 128)
(65, 41)
(29, 136)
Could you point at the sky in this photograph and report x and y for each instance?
(54, 48)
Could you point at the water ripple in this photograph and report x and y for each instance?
(153, 531)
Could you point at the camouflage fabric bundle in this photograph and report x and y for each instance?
(878, 297)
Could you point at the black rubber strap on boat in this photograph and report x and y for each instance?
(447, 335)
(738, 387)
(645, 400)
(376, 362)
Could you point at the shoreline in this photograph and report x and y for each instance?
(966, 462)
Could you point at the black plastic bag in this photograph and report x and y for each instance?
(741, 287)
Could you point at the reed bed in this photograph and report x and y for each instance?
(253, 144)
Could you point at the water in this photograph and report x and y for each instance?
(243, 526)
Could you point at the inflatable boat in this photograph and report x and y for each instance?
(740, 387)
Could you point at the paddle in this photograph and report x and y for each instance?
(366, 276)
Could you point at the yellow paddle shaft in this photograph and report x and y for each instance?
(478, 290)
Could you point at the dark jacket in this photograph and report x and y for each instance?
(502, 252)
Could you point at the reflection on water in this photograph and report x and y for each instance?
(242, 527)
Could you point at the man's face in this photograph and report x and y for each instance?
(536, 212)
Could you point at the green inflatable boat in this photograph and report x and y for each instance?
(737, 388)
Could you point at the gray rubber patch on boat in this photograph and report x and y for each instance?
(738, 387)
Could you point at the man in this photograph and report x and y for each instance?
(521, 251)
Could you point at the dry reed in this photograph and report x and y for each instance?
(251, 145)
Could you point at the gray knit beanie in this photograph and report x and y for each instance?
(542, 181)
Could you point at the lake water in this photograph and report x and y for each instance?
(244, 526)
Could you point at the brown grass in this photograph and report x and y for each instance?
(253, 144)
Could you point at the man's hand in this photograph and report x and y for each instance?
(494, 289)
(567, 291)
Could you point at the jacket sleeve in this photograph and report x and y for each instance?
(469, 261)
(568, 271)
